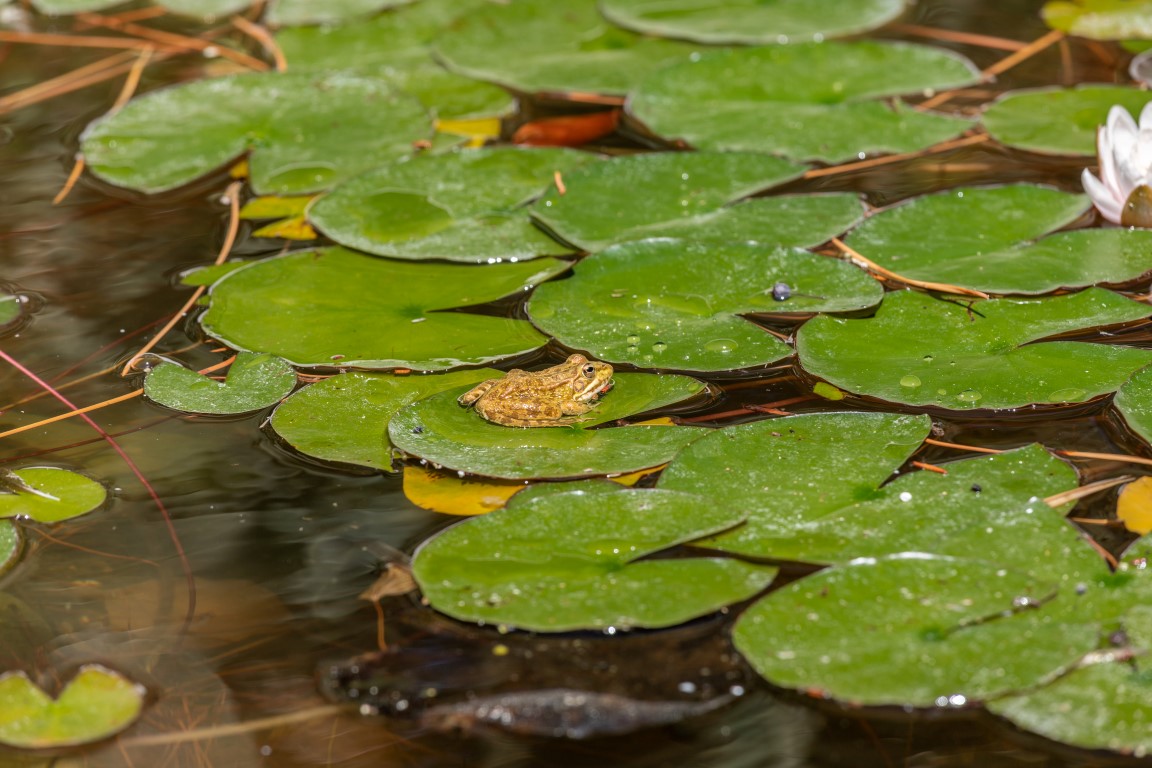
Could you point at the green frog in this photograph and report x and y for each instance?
(552, 397)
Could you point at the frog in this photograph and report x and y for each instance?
(554, 397)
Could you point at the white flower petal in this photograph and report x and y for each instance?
(1107, 160)
(1146, 116)
(1103, 198)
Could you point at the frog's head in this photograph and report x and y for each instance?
(590, 378)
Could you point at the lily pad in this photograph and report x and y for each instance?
(678, 304)
(983, 238)
(290, 12)
(1101, 19)
(254, 381)
(438, 430)
(344, 418)
(56, 494)
(10, 306)
(95, 704)
(967, 631)
(920, 350)
(751, 21)
(691, 195)
(1134, 402)
(1058, 121)
(813, 101)
(337, 307)
(546, 47)
(565, 561)
(173, 136)
(396, 46)
(467, 206)
(10, 544)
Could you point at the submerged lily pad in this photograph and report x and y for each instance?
(396, 46)
(95, 704)
(690, 195)
(10, 306)
(539, 46)
(973, 629)
(986, 239)
(56, 494)
(467, 206)
(336, 307)
(254, 381)
(437, 429)
(289, 122)
(814, 101)
(344, 418)
(1101, 19)
(920, 350)
(565, 561)
(678, 304)
(751, 21)
(10, 542)
(1060, 121)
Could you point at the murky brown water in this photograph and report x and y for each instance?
(280, 548)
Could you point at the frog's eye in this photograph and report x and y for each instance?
(589, 370)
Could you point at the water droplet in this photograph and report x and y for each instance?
(928, 358)
(659, 346)
(633, 339)
(723, 346)
(905, 496)
(910, 381)
(1070, 395)
(969, 396)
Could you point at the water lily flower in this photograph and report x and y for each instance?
(1123, 194)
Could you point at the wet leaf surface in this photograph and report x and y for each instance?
(564, 561)
(1059, 121)
(396, 46)
(545, 51)
(336, 307)
(919, 350)
(170, 137)
(689, 194)
(817, 101)
(441, 431)
(1134, 403)
(94, 705)
(54, 495)
(254, 381)
(678, 305)
(992, 239)
(1099, 19)
(345, 418)
(467, 206)
(834, 633)
(749, 21)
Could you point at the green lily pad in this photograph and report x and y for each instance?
(345, 418)
(912, 630)
(545, 47)
(564, 561)
(1058, 121)
(467, 206)
(751, 21)
(336, 307)
(254, 381)
(173, 136)
(58, 495)
(1134, 402)
(920, 350)
(95, 704)
(10, 544)
(206, 10)
(294, 12)
(982, 238)
(678, 304)
(814, 101)
(10, 308)
(438, 430)
(396, 46)
(691, 195)
(1100, 19)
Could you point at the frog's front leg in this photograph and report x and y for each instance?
(477, 392)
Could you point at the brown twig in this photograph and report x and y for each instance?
(968, 38)
(1006, 63)
(261, 35)
(1059, 499)
(861, 261)
(71, 81)
(886, 159)
(76, 41)
(172, 39)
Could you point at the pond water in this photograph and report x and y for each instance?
(281, 547)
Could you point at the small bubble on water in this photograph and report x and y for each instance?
(910, 381)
